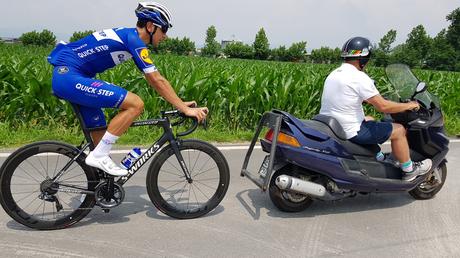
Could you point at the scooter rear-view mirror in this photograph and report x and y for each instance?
(421, 87)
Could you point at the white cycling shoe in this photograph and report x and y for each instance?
(106, 164)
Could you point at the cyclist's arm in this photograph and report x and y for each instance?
(390, 107)
(142, 59)
(164, 88)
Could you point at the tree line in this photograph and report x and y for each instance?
(419, 50)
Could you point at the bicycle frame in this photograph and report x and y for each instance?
(167, 136)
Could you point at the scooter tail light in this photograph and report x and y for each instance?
(282, 138)
(288, 140)
(269, 135)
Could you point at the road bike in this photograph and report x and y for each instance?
(47, 185)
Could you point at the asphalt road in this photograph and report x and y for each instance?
(246, 224)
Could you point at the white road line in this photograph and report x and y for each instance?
(222, 148)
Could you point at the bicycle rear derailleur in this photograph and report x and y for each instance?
(109, 194)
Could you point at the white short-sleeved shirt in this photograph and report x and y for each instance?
(344, 91)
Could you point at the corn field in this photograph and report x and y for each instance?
(237, 92)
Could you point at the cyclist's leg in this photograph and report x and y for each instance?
(87, 92)
(93, 117)
(93, 94)
(97, 136)
(131, 108)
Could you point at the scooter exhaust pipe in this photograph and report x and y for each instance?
(294, 184)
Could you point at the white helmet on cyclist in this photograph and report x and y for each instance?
(157, 13)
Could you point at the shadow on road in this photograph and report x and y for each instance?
(136, 201)
(254, 200)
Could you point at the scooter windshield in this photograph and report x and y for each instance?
(405, 84)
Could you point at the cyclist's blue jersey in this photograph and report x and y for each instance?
(103, 50)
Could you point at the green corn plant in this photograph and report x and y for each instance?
(237, 92)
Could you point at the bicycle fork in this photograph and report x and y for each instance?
(175, 146)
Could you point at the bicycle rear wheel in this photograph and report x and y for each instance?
(169, 189)
(29, 195)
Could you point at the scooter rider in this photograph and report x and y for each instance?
(347, 87)
(78, 62)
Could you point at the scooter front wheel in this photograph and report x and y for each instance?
(432, 185)
(284, 200)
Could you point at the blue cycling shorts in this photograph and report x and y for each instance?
(373, 132)
(90, 94)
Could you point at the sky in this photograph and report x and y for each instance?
(318, 22)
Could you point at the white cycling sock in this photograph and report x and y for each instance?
(105, 145)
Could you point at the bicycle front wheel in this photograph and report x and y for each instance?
(31, 197)
(173, 194)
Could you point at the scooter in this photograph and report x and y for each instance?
(313, 160)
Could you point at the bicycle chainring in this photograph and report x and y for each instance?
(106, 200)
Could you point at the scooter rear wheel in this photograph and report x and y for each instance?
(432, 185)
(286, 201)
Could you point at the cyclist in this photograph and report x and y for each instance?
(76, 64)
(347, 87)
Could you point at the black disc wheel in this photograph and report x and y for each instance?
(432, 185)
(175, 195)
(31, 197)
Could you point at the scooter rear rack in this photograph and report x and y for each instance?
(273, 121)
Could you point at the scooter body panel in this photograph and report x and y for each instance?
(324, 154)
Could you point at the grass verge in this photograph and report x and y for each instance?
(12, 137)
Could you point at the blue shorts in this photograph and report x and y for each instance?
(372, 132)
(90, 94)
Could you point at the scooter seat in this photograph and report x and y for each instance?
(331, 127)
(333, 124)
